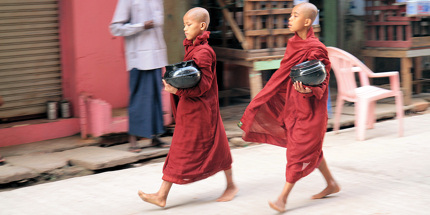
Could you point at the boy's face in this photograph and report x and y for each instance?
(192, 28)
(299, 20)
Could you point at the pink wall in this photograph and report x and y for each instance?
(38, 132)
(92, 59)
(92, 62)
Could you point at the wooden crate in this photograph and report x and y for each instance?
(251, 24)
(388, 26)
(266, 23)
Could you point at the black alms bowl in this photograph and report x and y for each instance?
(311, 73)
(182, 75)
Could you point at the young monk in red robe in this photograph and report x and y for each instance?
(199, 146)
(292, 115)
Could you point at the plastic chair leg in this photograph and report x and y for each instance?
(399, 110)
(371, 116)
(361, 110)
(338, 112)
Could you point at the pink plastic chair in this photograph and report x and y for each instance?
(344, 66)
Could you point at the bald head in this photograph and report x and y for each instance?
(309, 10)
(199, 14)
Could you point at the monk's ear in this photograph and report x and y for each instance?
(308, 22)
(203, 26)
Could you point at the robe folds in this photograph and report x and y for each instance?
(282, 116)
(199, 146)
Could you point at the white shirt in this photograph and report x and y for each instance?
(145, 49)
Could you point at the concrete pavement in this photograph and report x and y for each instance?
(385, 174)
(67, 157)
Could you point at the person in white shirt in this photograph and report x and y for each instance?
(140, 22)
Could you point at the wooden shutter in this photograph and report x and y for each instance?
(30, 72)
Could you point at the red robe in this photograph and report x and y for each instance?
(281, 116)
(199, 146)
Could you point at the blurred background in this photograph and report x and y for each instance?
(53, 53)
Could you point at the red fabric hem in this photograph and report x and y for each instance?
(199, 177)
(291, 179)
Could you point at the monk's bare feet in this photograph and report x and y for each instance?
(152, 198)
(229, 194)
(330, 189)
(278, 205)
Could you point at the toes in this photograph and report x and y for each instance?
(276, 207)
(142, 195)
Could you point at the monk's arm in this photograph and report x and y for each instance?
(203, 59)
(120, 25)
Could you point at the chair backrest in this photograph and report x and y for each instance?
(344, 66)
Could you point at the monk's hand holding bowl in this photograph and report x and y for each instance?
(300, 88)
(169, 88)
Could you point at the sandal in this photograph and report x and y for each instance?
(134, 149)
(2, 160)
(159, 144)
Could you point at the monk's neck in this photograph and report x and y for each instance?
(303, 34)
(194, 40)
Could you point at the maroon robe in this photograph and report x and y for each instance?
(199, 146)
(281, 116)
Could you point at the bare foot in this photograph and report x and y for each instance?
(152, 198)
(229, 194)
(278, 206)
(330, 189)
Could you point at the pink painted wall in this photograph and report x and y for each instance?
(92, 59)
(38, 132)
(92, 62)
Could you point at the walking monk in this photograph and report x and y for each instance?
(199, 146)
(292, 115)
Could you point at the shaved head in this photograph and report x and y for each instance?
(309, 10)
(199, 14)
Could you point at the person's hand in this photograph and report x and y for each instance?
(300, 88)
(169, 88)
(149, 24)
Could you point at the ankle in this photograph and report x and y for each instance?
(231, 185)
(161, 196)
(282, 200)
(332, 183)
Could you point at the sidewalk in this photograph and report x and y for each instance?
(68, 157)
(383, 175)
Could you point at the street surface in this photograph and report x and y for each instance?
(383, 175)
